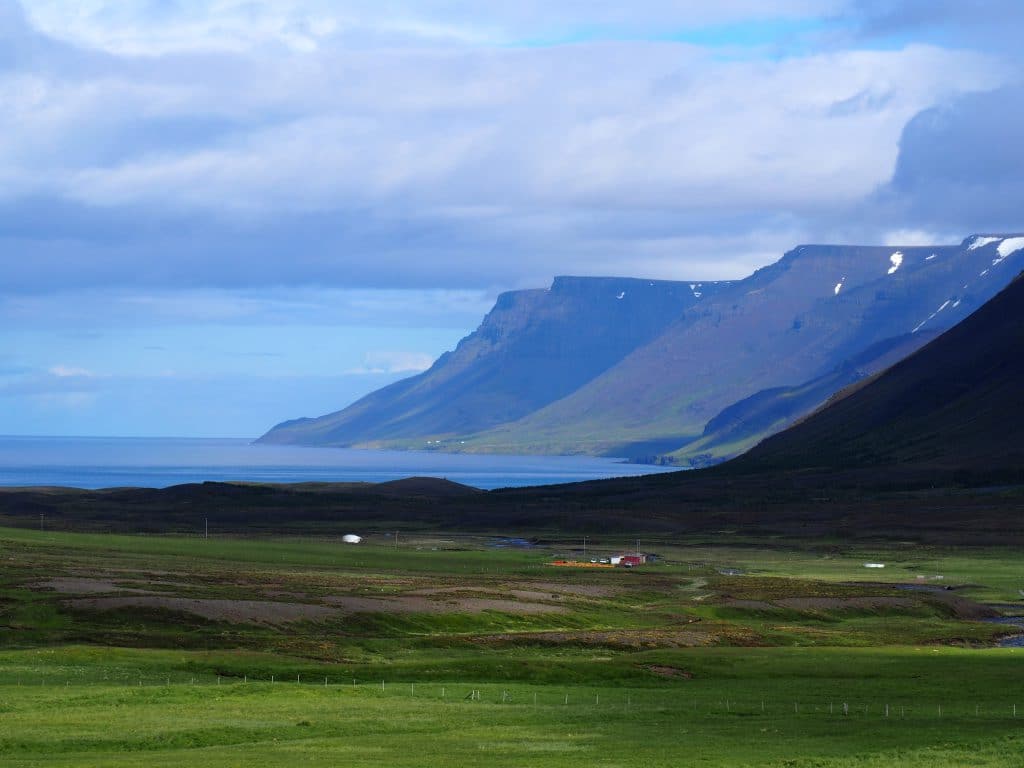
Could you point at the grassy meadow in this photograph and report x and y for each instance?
(159, 650)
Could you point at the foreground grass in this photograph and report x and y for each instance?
(683, 663)
(757, 707)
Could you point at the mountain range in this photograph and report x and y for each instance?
(688, 372)
(930, 450)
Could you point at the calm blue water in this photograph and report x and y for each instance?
(104, 462)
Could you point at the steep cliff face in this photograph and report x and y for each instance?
(533, 348)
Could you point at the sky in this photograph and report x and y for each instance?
(218, 215)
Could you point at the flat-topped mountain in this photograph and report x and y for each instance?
(533, 348)
(699, 371)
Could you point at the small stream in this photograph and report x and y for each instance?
(1013, 641)
(1017, 622)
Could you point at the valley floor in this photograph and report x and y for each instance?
(449, 650)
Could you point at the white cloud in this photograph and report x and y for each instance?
(70, 371)
(625, 125)
(920, 237)
(392, 361)
(446, 165)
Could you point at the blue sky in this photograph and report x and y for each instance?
(218, 215)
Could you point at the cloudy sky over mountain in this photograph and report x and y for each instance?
(216, 215)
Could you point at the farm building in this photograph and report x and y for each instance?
(631, 561)
(616, 561)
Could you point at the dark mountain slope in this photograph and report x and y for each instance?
(954, 405)
(533, 348)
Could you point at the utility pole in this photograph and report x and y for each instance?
(584, 547)
(206, 527)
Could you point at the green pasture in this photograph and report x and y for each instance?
(695, 660)
(764, 707)
(440, 555)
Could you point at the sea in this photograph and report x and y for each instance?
(158, 462)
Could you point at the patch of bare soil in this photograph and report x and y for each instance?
(962, 607)
(840, 603)
(674, 672)
(231, 611)
(75, 585)
(750, 605)
(424, 604)
(488, 593)
(582, 590)
(529, 594)
(432, 591)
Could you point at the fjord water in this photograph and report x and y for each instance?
(105, 462)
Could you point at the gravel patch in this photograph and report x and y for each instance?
(840, 603)
(423, 604)
(750, 605)
(231, 611)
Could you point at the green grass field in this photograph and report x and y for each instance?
(122, 650)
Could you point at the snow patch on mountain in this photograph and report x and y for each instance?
(981, 242)
(1009, 246)
(897, 262)
(933, 315)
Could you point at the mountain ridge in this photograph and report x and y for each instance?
(526, 353)
(794, 321)
(570, 370)
(931, 450)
